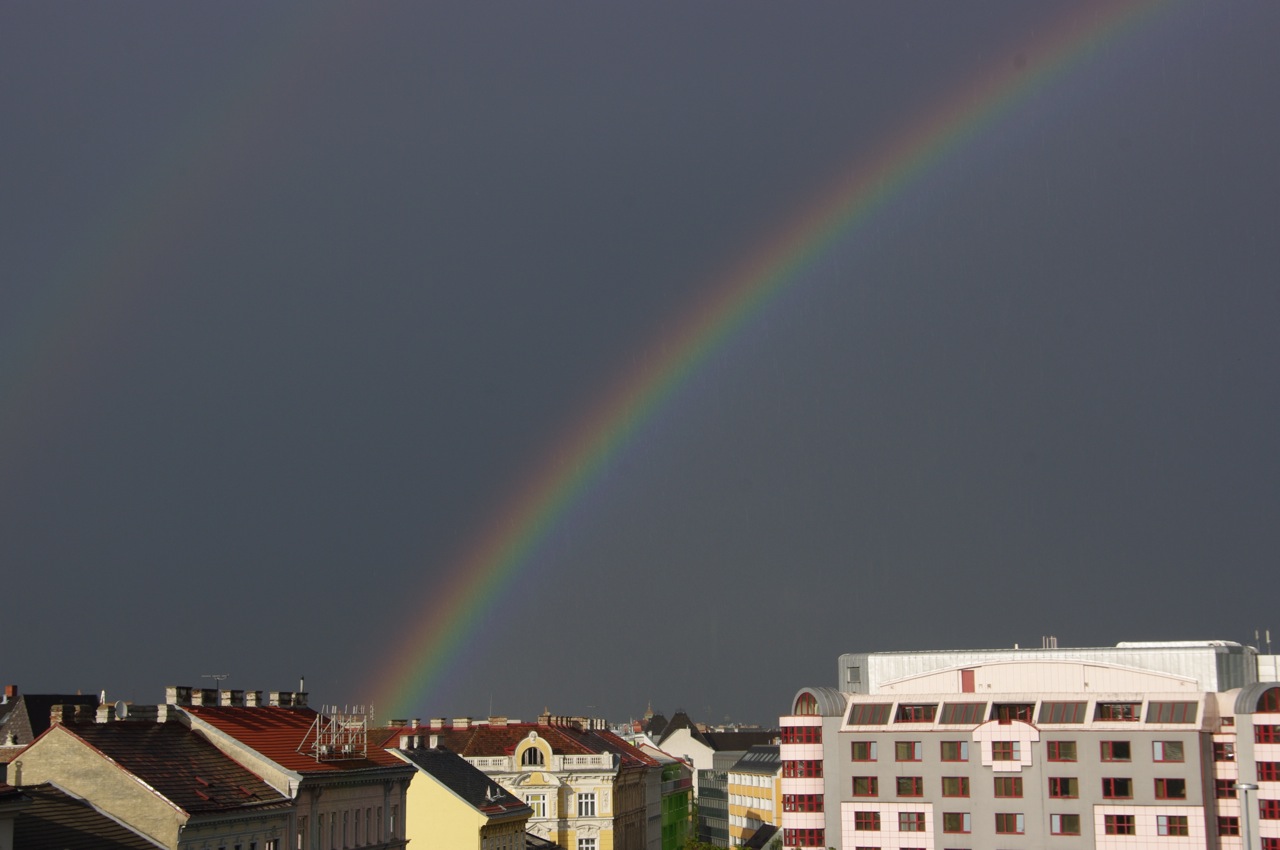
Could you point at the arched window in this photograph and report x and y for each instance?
(806, 704)
(1269, 702)
(532, 757)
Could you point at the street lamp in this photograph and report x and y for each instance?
(1245, 810)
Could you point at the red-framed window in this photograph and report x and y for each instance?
(1064, 787)
(1172, 825)
(955, 786)
(1224, 751)
(1062, 712)
(803, 802)
(1269, 702)
(1005, 750)
(1064, 824)
(1171, 712)
(1269, 809)
(911, 821)
(862, 750)
(954, 750)
(1010, 823)
(1007, 712)
(957, 822)
(910, 786)
(1116, 751)
(1269, 771)
(1117, 788)
(795, 769)
(1118, 825)
(908, 751)
(1008, 786)
(869, 713)
(866, 786)
(802, 734)
(1228, 825)
(1271, 844)
(1128, 712)
(920, 713)
(1224, 789)
(963, 713)
(1166, 751)
(866, 821)
(806, 705)
(1171, 789)
(1266, 734)
(804, 837)
(1060, 750)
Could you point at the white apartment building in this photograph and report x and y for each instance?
(1139, 746)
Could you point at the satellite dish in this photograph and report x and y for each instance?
(122, 710)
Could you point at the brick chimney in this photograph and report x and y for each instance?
(177, 695)
(105, 713)
(252, 699)
(10, 693)
(233, 699)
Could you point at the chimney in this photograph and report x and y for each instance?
(437, 723)
(281, 699)
(461, 722)
(252, 699)
(300, 699)
(105, 713)
(398, 723)
(233, 699)
(167, 712)
(498, 722)
(415, 723)
(142, 713)
(85, 713)
(62, 714)
(177, 695)
(10, 693)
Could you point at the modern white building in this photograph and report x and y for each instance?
(1136, 746)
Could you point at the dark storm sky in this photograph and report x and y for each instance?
(291, 297)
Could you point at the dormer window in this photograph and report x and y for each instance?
(532, 757)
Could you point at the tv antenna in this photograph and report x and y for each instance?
(217, 678)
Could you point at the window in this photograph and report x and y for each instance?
(804, 837)
(1116, 751)
(869, 713)
(955, 750)
(802, 802)
(1008, 823)
(1224, 751)
(802, 769)
(532, 756)
(1123, 711)
(586, 844)
(1266, 734)
(1224, 789)
(537, 802)
(1269, 702)
(910, 786)
(1270, 843)
(1166, 750)
(1008, 786)
(866, 821)
(865, 786)
(916, 713)
(1061, 750)
(1269, 809)
(1064, 787)
(587, 805)
(1062, 712)
(956, 822)
(863, 750)
(802, 734)
(1005, 750)
(1007, 712)
(356, 827)
(1228, 826)
(1268, 771)
(1117, 788)
(1171, 789)
(911, 821)
(394, 823)
(1172, 825)
(806, 705)
(955, 786)
(1118, 824)
(908, 751)
(1064, 824)
(963, 713)
(1171, 712)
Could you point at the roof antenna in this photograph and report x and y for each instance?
(217, 678)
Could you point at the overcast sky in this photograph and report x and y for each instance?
(293, 295)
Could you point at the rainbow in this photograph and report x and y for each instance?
(506, 544)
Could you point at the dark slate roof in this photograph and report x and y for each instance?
(57, 820)
(655, 726)
(760, 837)
(467, 781)
(762, 758)
(730, 742)
(27, 716)
(279, 732)
(679, 721)
(180, 765)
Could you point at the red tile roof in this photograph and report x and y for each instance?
(279, 733)
(481, 739)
